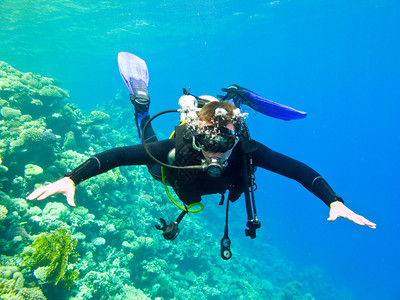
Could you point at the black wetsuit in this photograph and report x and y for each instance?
(263, 157)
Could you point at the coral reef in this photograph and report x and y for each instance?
(50, 255)
(43, 135)
(3, 212)
(9, 289)
(12, 285)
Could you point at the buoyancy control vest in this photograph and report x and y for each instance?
(189, 180)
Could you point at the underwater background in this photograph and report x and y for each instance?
(62, 100)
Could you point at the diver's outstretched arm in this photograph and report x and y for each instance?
(63, 186)
(310, 179)
(100, 163)
(339, 210)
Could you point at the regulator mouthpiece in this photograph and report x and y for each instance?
(215, 167)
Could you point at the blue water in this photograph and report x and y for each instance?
(337, 60)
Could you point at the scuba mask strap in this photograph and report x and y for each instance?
(226, 252)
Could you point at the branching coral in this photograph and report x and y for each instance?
(52, 252)
(10, 290)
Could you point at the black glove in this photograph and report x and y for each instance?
(237, 93)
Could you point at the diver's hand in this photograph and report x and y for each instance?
(232, 92)
(338, 209)
(63, 186)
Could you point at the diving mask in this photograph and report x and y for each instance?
(214, 139)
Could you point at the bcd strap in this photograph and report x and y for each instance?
(221, 202)
(248, 147)
(252, 220)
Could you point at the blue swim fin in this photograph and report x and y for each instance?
(239, 96)
(134, 72)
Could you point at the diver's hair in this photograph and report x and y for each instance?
(207, 113)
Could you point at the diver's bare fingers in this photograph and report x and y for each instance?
(36, 193)
(358, 221)
(368, 223)
(47, 193)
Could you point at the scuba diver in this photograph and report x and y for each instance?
(210, 152)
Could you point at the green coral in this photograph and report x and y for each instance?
(53, 92)
(8, 272)
(32, 170)
(42, 273)
(32, 80)
(114, 174)
(9, 289)
(69, 142)
(99, 116)
(3, 212)
(57, 210)
(32, 135)
(10, 113)
(130, 292)
(52, 252)
(4, 103)
(25, 118)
